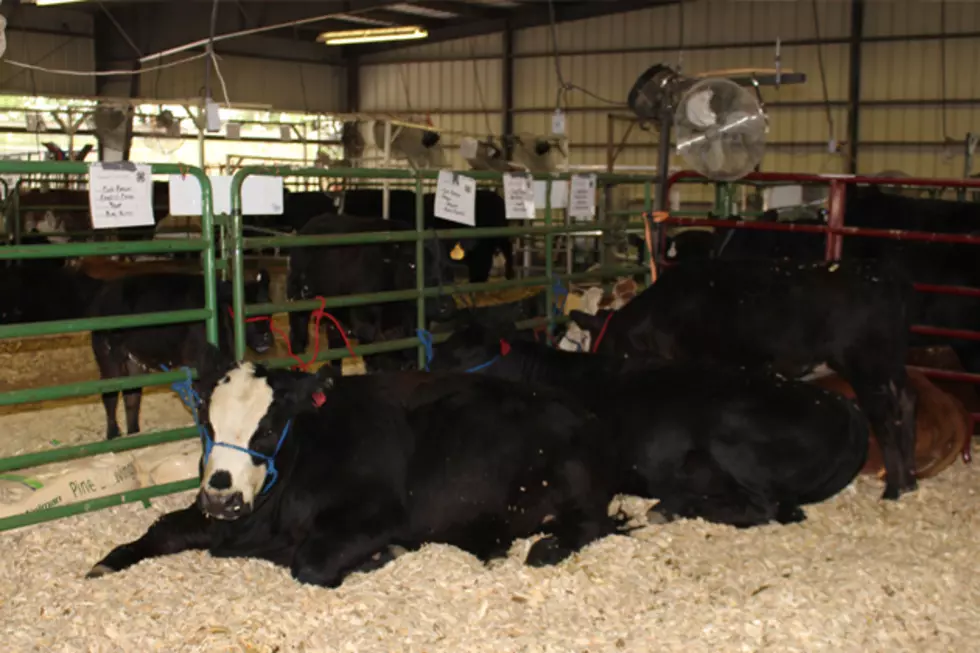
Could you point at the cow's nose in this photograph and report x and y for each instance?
(222, 506)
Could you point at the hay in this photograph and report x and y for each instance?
(859, 575)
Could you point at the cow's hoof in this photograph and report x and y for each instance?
(893, 492)
(790, 515)
(98, 571)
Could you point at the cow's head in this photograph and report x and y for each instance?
(247, 412)
(258, 333)
(477, 339)
(437, 272)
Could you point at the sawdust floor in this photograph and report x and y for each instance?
(859, 576)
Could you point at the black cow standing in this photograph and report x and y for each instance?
(327, 475)
(478, 252)
(870, 208)
(338, 270)
(724, 444)
(44, 294)
(139, 350)
(789, 318)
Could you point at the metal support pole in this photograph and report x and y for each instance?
(854, 85)
(421, 321)
(386, 184)
(549, 268)
(835, 219)
(237, 266)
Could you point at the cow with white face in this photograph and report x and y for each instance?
(241, 430)
(327, 475)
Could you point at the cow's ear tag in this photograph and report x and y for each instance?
(319, 398)
(458, 253)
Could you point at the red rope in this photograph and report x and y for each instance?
(319, 314)
(602, 333)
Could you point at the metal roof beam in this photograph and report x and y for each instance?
(520, 18)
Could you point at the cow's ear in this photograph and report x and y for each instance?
(211, 365)
(591, 323)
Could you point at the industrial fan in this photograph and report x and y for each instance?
(420, 147)
(485, 155)
(539, 154)
(164, 135)
(720, 126)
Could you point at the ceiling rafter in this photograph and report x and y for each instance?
(525, 16)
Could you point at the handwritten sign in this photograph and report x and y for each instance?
(581, 203)
(456, 198)
(120, 195)
(261, 195)
(559, 194)
(519, 196)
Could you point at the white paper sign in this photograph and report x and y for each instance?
(581, 203)
(558, 123)
(456, 198)
(519, 196)
(261, 195)
(559, 194)
(120, 195)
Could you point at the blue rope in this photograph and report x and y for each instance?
(482, 366)
(558, 289)
(189, 396)
(426, 339)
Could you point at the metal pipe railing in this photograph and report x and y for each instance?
(207, 314)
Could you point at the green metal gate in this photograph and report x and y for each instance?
(238, 244)
(205, 246)
(420, 293)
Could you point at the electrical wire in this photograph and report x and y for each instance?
(563, 86)
(209, 50)
(479, 91)
(823, 74)
(103, 73)
(221, 79)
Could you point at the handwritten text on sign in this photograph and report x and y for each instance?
(120, 196)
(581, 203)
(456, 198)
(519, 196)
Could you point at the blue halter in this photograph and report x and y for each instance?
(185, 390)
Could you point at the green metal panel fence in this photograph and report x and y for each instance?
(208, 314)
(238, 244)
(420, 293)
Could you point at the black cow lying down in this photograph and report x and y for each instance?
(789, 318)
(141, 350)
(327, 474)
(724, 444)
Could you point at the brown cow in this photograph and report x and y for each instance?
(942, 426)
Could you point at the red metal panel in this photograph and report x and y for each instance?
(836, 230)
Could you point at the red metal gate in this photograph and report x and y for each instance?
(835, 230)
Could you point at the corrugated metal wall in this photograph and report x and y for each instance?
(285, 85)
(605, 55)
(50, 51)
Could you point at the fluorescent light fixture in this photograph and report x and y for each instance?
(46, 3)
(373, 35)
